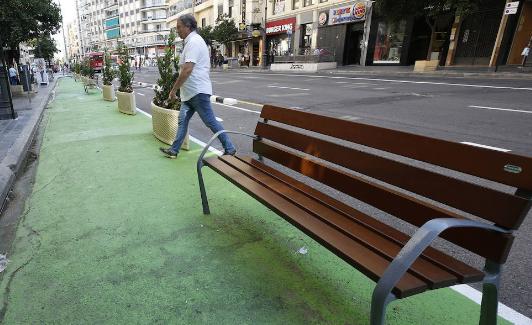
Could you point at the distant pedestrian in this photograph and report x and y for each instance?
(526, 52)
(195, 87)
(13, 76)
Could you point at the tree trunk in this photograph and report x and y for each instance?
(432, 36)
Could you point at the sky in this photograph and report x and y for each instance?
(68, 10)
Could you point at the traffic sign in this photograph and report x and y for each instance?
(510, 5)
(511, 11)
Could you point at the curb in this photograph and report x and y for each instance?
(221, 100)
(11, 164)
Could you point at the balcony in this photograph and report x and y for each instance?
(146, 20)
(154, 4)
(154, 30)
(110, 3)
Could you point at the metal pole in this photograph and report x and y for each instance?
(264, 52)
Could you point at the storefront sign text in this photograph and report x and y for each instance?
(348, 14)
(280, 26)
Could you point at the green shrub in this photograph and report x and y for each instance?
(124, 74)
(108, 73)
(168, 74)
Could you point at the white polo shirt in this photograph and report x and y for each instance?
(198, 82)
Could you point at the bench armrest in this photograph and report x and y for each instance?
(208, 145)
(421, 239)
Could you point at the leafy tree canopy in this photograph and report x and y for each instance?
(44, 47)
(225, 29)
(24, 20)
(207, 34)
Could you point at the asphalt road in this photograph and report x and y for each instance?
(495, 113)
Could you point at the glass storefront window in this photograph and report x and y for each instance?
(389, 42)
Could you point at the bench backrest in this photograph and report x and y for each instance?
(436, 195)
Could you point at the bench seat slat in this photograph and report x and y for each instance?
(464, 272)
(393, 202)
(455, 156)
(435, 276)
(503, 209)
(365, 260)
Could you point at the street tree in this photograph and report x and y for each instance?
(396, 10)
(44, 47)
(225, 30)
(24, 20)
(207, 34)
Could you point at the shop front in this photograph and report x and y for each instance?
(342, 32)
(279, 38)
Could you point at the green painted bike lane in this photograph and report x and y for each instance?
(113, 233)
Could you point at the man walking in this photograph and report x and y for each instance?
(195, 87)
(13, 76)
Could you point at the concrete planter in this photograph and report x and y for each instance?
(164, 123)
(109, 93)
(126, 103)
(16, 90)
(426, 66)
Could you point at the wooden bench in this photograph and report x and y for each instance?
(439, 204)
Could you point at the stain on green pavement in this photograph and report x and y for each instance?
(114, 234)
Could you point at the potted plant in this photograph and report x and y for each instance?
(165, 113)
(125, 95)
(108, 77)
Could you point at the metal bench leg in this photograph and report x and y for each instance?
(204, 200)
(378, 308)
(490, 293)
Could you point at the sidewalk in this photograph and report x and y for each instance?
(17, 135)
(408, 71)
(114, 234)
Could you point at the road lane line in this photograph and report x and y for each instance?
(219, 119)
(239, 108)
(291, 88)
(287, 95)
(485, 146)
(139, 94)
(250, 103)
(501, 109)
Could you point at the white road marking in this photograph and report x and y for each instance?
(342, 82)
(405, 81)
(382, 88)
(350, 118)
(239, 108)
(501, 109)
(354, 86)
(139, 94)
(503, 310)
(228, 82)
(219, 119)
(485, 146)
(295, 107)
(291, 88)
(287, 95)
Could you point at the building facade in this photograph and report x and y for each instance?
(141, 25)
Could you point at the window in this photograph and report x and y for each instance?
(307, 3)
(295, 4)
(389, 42)
(220, 10)
(278, 7)
(243, 11)
(231, 8)
(203, 22)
